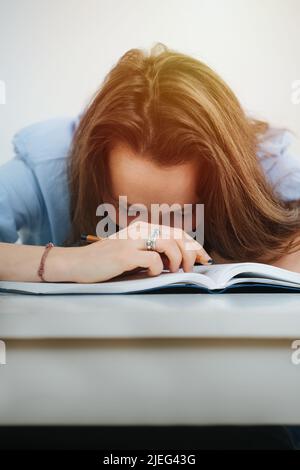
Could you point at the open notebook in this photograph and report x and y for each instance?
(215, 278)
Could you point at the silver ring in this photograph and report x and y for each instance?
(150, 242)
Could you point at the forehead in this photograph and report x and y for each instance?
(140, 178)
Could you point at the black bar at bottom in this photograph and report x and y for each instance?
(144, 437)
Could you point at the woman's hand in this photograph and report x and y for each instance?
(125, 251)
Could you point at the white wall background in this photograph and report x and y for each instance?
(55, 53)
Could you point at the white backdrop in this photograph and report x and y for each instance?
(55, 53)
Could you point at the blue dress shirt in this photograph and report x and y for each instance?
(34, 194)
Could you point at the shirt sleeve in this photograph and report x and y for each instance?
(282, 166)
(20, 199)
(33, 184)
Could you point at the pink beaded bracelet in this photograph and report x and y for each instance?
(43, 259)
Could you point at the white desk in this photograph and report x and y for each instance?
(189, 359)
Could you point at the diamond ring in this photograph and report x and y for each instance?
(150, 242)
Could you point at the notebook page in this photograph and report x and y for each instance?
(261, 280)
(130, 283)
(222, 273)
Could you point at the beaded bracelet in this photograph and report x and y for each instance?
(43, 259)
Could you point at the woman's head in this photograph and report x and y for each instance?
(155, 188)
(165, 126)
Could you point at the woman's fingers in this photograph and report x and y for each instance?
(172, 251)
(179, 251)
(190, 249)
(188, 256)
(175, 244)
(150, 260)
(192, 245)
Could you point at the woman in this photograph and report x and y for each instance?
(163, 129)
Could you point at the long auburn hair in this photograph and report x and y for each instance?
(175, 108)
